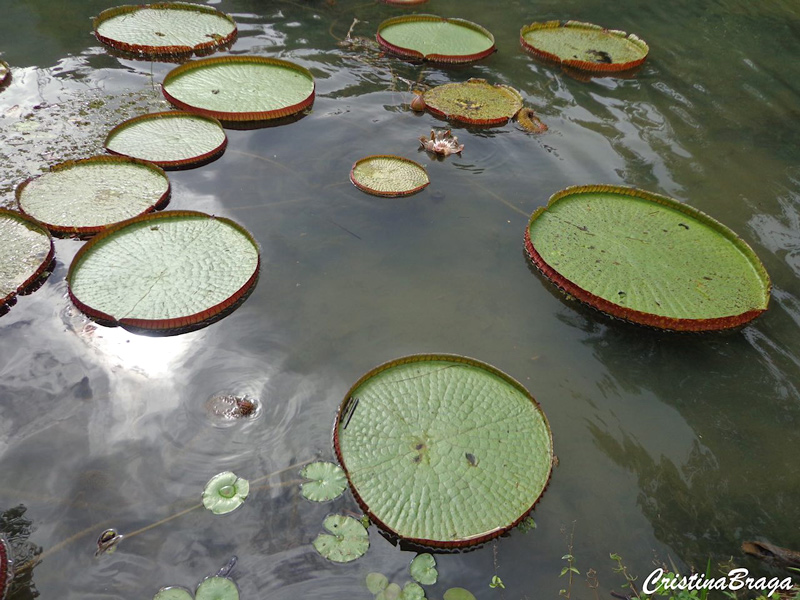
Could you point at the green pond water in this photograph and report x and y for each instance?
(671, 447)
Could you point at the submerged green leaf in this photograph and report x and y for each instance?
(392, 592)
(328, 481)
(217, 588)
(458, 593)
(173, 592)
(225, 492)
(423, 569)
(349, 539)
(376, 582)
(412, 591)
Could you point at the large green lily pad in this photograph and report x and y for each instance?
(475, 101)
(25, 253)
(169, 272)
(428, 37)
(164, 29)
(647, 258)
(240, 88)
(584, 46)
(443, 450)
(388, 175)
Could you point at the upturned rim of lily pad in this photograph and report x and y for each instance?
(88, 230)
(37, 273)
(435, 57)
(660, 202)
(239, 116)
(502, 92)
(195, 161)
(225, 492)
(173, 592)
(583, 65)
(145, 50)
(408, 191)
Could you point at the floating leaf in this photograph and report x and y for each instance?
(217, 588)
(349, 539)
(475, 101)
(458, 593)
(435, 38)
(387, 175)
(166, 271)
(173, 592)
(327, 481)
(392, 592)
(647, 258)
(25, 254)
(412, 591)
(172, 139)
(85, 196)
(584, 46)
(240, 88)
(376, 582)
(448, 435)
(225, 492)
(423, 569)
(164, 28)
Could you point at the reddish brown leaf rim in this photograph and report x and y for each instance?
(635, 316)
(369, 190)
(224, 116)
(30, 281)
(155, 51)
(438, 58)
(582, 65)
(464, 542)
(404, 2)
(6, 568)
(177, 323)
(194, 161)
(60, 230)
(470, 120)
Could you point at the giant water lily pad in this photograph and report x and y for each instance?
(435, 38)
(167, 271)
(164, 28)
(475, 101)
(443, 450)
(584, 46)
(240, 88)
(387, 175)
(25, 254)
(85, 196)
(348, 540)
(647, 258)
(171, 139)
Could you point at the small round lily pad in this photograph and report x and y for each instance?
(428, 37)
(240, 88)
(171, 139)
(348, 540)
(423, 569)
(584, 46)
(85, 196)
(412, 591)
(225, 492)
(25, 253)
(458, 593)
(647, 258)
(388, 175)
(328, 481)
(173, 592)
(164, 29)
(475, 101)
(376, 582)
(392, 592)
(217, 588)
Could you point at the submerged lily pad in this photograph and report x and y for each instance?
(173, 592)
(171, 139)
(376, 582)
(217, 588)
(423, 569)
(240, 88)
(435, 38)
(392, 592)
(458, 593)
(164, 28)
(349, 539)
(647, 258)
(387, 175)
(85, 196)
(412, 591)
(167, 271)
(475, 101)
(224, 493)
(25, 254)
(443, 450)
(328, 481)
(584, 46)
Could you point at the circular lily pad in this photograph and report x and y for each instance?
(173, 592)
(348, 540)
(443, 450)
(240, 88)
(387, 175)
(165, 271)
(164, 28)
(474, 101)
(25, 254)
(217, 588)
(458, 593)
(376, 582)
(647, 258)
(423, 569)
(412, 591)
(328, 481)
(85, 196)
(428, 37)
(171, 139)
(224, 493)
(584, 46)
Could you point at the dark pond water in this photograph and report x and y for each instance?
(671, 446)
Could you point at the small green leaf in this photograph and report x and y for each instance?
(564, 571)
(377, 582)
(496, 583)
(458, 593)
(328, 481)
(423, 569)
(574, 570)
(348, 542)
(412, 591)
(392, 592)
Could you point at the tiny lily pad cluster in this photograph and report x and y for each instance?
(423, 571)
